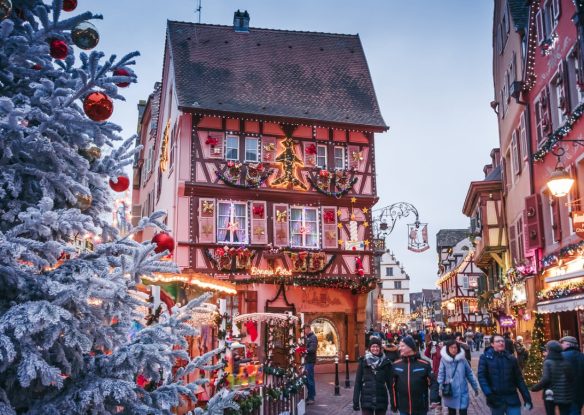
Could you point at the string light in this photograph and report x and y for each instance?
(198, 280)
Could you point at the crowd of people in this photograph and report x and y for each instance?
(413, 372)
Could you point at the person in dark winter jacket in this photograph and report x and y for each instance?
(573, 355)
(509, 343)
(464, 347)
(456, 371)
(309, 361)
(372, 380)
(391, 351)
(522, 353)
(500, 377)
(556, 381)
(411, 377)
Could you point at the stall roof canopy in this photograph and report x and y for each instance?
(274, 73)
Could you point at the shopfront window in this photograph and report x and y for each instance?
(328, 339)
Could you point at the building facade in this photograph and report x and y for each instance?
(259, 145)
(426, 310)
(458, 279)
(395, 289)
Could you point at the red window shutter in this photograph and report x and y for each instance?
(556, 219)
(281, 228)
(259, 223)
(329, 227)
(533, 235)
(207, 212)
(251, 300)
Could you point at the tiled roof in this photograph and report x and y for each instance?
(273, 73)
(495, 174)
(155, 111)
(450, 237)
(519, 12)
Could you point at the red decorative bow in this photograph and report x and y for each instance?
(311, 149)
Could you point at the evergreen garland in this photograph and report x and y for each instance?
(534, 366)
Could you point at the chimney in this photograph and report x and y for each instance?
(241, 21)
(487, 169)
(496, 157)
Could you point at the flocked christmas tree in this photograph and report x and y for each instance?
(65, 316)
(534, 365)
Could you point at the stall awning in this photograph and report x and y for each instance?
(573, 302)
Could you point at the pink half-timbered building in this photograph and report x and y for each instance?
(259, 144)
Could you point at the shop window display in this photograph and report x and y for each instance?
(328, 339)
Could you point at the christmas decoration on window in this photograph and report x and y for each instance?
(255, 173)
(212, 141)
(58, 49)
(120, 185)
(559, 133)
(288, 160)
(85, 36)
(548, 45)
(259, 231)
(356, 284)
(281, 216)
(98, 106)
(230, 259)
(329, 216)
(356, 157)
(564, 253)
(69, 5)
(5, 9)
(164, 147)
(163, 242)
(208, 207)
(335, 184)
(122, 72)
(258, 211)
(311, 262)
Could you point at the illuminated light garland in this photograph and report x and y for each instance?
(456, 270)
(272, 318)
(249, 185)
(561, 291)
(337, 194)
(198, 280)
(565, 252)
(361, 285)
(561, 132)
(531, 76)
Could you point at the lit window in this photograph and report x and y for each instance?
(251, 149)
(304, 227)
(232, 222)
(232, 148)
(339, 158)
(321, 156)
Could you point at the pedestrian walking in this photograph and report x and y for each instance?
(556, 381)
(309, 361)
(464, 346)
(453, 377)
(571, 352)
(522, 353)
(391, 350)
(500, 378)
(411, 381)
(509, 343)
(432, 352)
(469, 335)
(372, 381)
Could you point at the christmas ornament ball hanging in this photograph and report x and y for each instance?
(85, 36)
(122, 72)
(5, 9)
(122, 184)
(58, 49)
(98, 106)
(69, 5)
(163, 241)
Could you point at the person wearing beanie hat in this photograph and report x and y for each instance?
(575, 358)
(556, 380)
(411, 381)
(372, 380)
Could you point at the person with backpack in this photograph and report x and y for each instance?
(556, 381)
(453, 377)
(372, 380)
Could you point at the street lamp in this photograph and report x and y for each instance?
(560, 181)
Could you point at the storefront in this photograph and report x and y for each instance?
(565, 316)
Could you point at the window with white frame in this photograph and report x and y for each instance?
(232, 222)
(465, 307)
(389, 272)
(252, 146)
(515, 154)
(504, 27)
(232, 148)
(558, 99)
(304, 227)
(523, 136)
(547, 19)
(339, 158)
(321, 156)
(398, 285)
(575, 93)
(539, 119)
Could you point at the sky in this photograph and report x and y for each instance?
(431, 64)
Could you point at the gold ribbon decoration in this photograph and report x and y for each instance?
(208, 207)
(281, 216)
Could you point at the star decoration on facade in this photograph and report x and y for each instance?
(366, 242)
(366, 224)
(353, 200)
(365, 210)
(339, 212)
(340, 225)
(341, 242)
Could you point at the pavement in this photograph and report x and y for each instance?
(328, 404)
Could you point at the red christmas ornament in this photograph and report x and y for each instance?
(59, 49)
(98, 106)
(252, 330)
(122, 184)
(37, 67)
(69, 5)
(122, 72)
(163, 241)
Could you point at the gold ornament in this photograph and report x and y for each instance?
(340, 225)
(207, 229)
(366, 224)
(339, 212)
(341, 242)
(84, 201)
(269, 147)
(281, 216)
(259, 231)
(353, 200)
(365, 210)
(208, 207)
(357, 156)
(90, 153)
(164, 148)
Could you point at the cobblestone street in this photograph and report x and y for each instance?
(328, 404)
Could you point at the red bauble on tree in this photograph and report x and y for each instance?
(122, 72)
(59, 49)
(122, 184)
(69, 5)
(163, 241)
(98, 106)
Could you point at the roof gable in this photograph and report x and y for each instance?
(273, 73)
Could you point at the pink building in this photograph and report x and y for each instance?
(259, 144)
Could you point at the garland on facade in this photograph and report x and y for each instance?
(256, 175)
(561, 291)
(309, 262)
(343, 189)
(248, 403)
(230, 259)
(565, 252)
(561, 132)
(362, 285)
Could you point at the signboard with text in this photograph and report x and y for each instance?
(578, 222)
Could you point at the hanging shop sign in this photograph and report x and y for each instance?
(578, 220)
(518, 294)
(279, 271)
(418, 237)
(506, 321)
